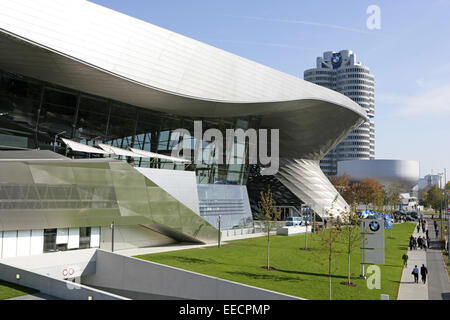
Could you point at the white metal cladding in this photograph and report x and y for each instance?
(37, 242)
(305, 179)
(86, 47)
(95, 237)
(62, 236)
(23, 243)
(74, 238)
(182, 185)
(9, 244)
(150, 55)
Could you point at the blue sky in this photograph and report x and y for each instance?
(409, 55)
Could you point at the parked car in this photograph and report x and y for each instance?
(293, 221)
(413, 214)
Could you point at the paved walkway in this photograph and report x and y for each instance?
(184, 246)
(409, 290)
(439, 286)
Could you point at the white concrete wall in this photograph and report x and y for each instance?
(54, 287)
(182, 185)
(129, 237)
(139, 277)
(58, 265)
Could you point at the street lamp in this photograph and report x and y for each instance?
(442, 202)
(112, 235)
(56, 136)
(220, 231)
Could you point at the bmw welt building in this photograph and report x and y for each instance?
(89, 103)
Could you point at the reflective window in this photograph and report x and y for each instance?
(90, 120)
(49, 240)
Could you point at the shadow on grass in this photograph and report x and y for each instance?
(312, 274)
(257, 276)
(14, 286)
(188, 260)
(281, 278)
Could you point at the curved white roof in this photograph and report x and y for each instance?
(92, 49)
(152, 56)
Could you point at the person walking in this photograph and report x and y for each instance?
(411, 244)
(426, 232)
(405, 260)
(423, 273)
(415, 273)
(437, 233)
(428, 241)
(435, 225)
(423, 227)
(418, 227)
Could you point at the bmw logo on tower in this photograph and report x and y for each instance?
(336, 60)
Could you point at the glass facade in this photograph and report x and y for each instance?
(36, 115)
(74, 194)
(258, 183)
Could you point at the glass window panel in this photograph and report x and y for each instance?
(92, 121)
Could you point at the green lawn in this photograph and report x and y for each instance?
(11, 290)
(298, 272)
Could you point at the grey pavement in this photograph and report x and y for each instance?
(408, 289)
(439, 284)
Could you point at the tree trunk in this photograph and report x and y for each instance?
(329, 263)
(329, 273)
(268, 249)
(349, 267)
(349, 252)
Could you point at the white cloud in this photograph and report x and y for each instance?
(434, 101)
(311, 23)
(420, 83)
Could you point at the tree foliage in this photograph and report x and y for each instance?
(432, 198)
(342, 185)
(367, 191)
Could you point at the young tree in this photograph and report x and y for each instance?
(268, 214)
(328, 242)
(434, 197)
(350, 235)
(393, 195)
